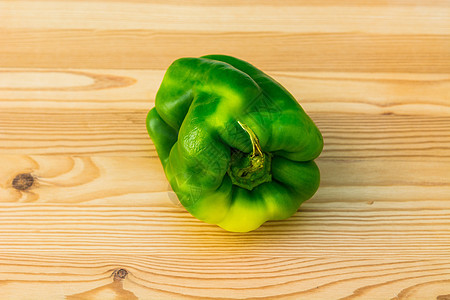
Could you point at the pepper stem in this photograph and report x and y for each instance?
(250, 170)
(255, 142)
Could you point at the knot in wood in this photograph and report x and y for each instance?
(23, 182)
(120, 274)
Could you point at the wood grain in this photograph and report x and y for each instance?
(228, 16)
(122, 133)
(346, 92)
(87, 213)
(143, 49)
(252, 277)
(361, 230)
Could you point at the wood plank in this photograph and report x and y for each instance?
(123, 133)
(156, 49)
(346, 92)
(76, 276)
(140, 181)
(318, 230)
(124, 205)
(287, 3)
(394, 19)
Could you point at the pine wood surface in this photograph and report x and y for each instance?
(87, 213)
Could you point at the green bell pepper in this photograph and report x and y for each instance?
(236, 147)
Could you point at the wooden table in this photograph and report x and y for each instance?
(86, 211)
